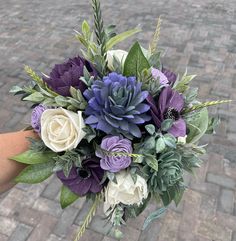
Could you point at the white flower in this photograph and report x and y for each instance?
(62, 130)
(182, 139)
(125, 191)
(119, 54)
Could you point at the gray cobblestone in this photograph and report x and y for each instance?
(226, 203)
(21, 233)
(221, 180)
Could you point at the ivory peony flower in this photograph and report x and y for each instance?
(125, 191)
(62, 130)
(118, 54)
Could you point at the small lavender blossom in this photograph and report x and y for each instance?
(115, 144)
(36, 117)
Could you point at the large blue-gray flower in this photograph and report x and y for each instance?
(116, 105)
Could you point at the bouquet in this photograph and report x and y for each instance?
(117, 127)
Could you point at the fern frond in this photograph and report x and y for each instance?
(156, 37)
(89, 216)
(206, 104)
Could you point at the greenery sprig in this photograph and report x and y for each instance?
(89, 216)
(205, 104)
(100, 33)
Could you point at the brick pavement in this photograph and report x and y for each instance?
(198, 34)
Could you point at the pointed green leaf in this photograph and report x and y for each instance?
(135, 62)
(32, 157)
(36, 173)
(151, 162)
(67, 197)
(160, 145)
(121, 37)
(197, 125)
(153, 216)
(36, 97)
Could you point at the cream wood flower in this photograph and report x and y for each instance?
(62, 130)
(118, 54)
(125, 191)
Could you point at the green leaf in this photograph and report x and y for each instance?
(197, 125)
(183, 85)
(36, 97)
(166, 124)
(67, 197)
(135, 62)
(170, 140)
(151, 162)
(36, 173)
(153, 216)
(213, 123)
(32, 157)
(160, 145)
(86, 30)
(121, 37)
(154, 60)
(150, 129)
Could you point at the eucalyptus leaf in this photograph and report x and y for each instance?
(67, 197)
(170, 140)
(135, 62)
(36, 97)
(150, 129)
(167, 124)
(160, 145)
(153, 216)
(32, 157)
(36, 173)
(151, 162)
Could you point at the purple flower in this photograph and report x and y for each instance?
(36, 117)
(84, 180)
(68, 74)
(171, 76)
(168, 106)
(115, 144)
(115, 105)
(157, 74)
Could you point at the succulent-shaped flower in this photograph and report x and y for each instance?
(68, 74)
(86, 179)
(116, 105)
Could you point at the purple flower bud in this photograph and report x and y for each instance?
(116, 144)
(36, 117)
(157, 74)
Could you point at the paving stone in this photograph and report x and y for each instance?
(221, 180)
(43, 229)
(21, 233)
(226, 203)
(66, 220)
(7, 225)
(52, 189)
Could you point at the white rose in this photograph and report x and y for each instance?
(62, 130)
(125, 191)
(118, 54)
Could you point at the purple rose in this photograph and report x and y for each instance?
(36, 117)
(68, 74)
(115, 144)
